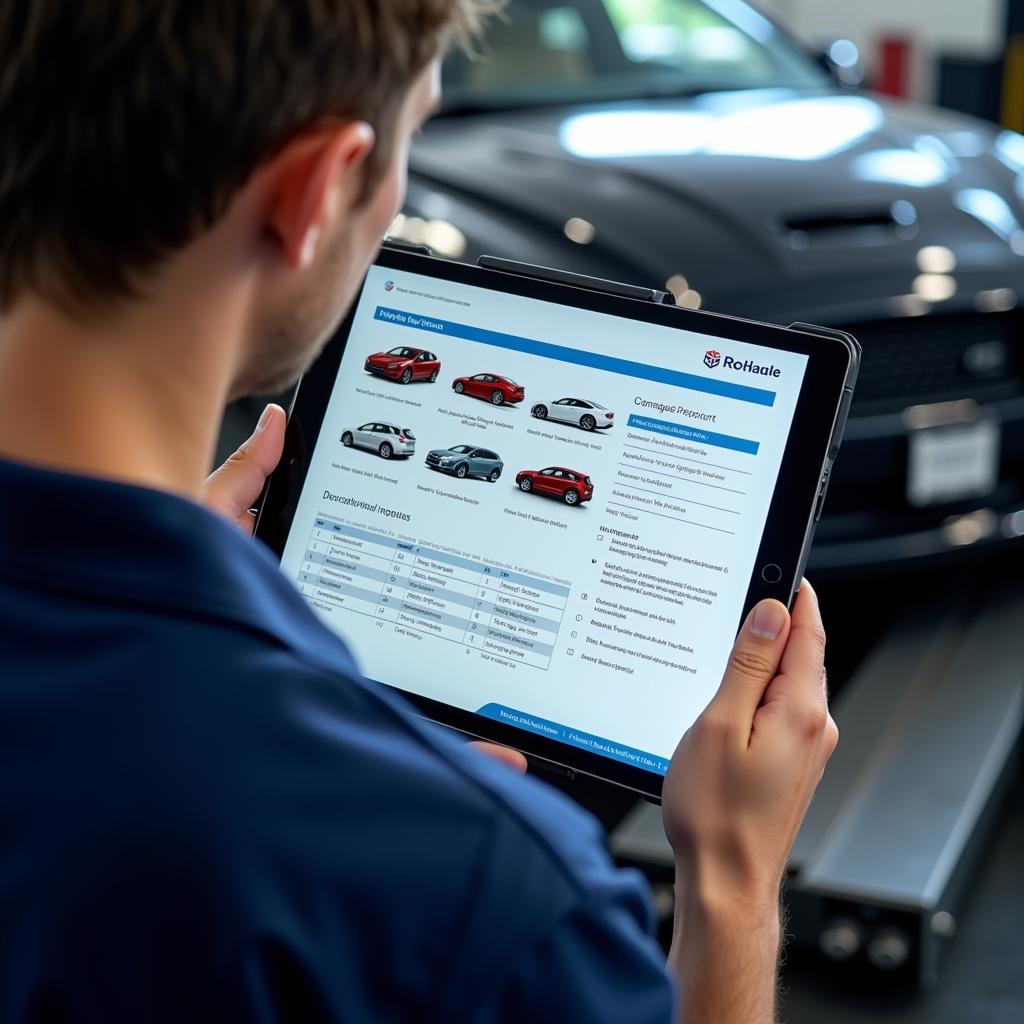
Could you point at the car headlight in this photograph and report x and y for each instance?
(394, 366)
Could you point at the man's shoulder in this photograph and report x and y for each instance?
(261, 716)
(427, 778)
(334, 781)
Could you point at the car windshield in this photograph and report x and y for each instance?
(408, 433)
(556, 51)
(405, 353)
(462, 449)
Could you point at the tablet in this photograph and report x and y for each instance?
(540, 505)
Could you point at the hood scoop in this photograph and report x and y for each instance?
(871, 226)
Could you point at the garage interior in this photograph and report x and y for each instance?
(856, 166)
(906, 891)
(927, 779)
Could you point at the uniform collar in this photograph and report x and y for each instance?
(127, 545)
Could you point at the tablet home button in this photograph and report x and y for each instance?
(771, 573)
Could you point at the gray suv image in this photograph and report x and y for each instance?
(465, 460)
(386, 439)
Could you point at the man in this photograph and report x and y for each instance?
(206, 814)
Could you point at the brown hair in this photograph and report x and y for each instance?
(126, 126)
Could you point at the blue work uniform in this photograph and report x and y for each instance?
(207, 815)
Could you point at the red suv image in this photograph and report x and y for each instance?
(497, 390)
(568, 484)
(404, 364)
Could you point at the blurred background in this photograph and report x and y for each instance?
(855, 165)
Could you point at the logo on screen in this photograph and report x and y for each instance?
(390, 286)
(712, 358)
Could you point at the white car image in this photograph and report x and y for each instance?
(577, 411)
(386, 439)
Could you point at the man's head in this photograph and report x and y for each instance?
(136, 130)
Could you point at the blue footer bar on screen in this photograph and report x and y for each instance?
(575, 738)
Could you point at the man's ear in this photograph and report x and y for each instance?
(315, 179)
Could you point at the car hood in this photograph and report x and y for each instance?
(748, 195)
(382, 358)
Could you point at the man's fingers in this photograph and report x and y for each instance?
(804, 657)
(506, 755)
(755, 658)
(799, 690)
(234, 488)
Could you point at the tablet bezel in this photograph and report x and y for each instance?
(791, 517)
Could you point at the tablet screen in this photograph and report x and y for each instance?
(544, 515)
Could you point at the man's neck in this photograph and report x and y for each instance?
(137, 398)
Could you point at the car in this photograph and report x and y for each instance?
(464, 460)
(577, 411)
(699, 148)
(497, 390)
(386, 439)
(570, 485)
(404, 364)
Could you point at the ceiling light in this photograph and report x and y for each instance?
(911, 305)
(936, 259)
(996, 300)
(935, 287)
(678, 286)
(579, 231)
(969, 529)
(445, 238)
(440, 235)
(1013, 524)
(904, 213)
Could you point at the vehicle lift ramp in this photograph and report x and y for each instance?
(929, 726)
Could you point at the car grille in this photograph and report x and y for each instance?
(939, 358)
(433, 460)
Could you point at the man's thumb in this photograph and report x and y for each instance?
(262, 449)
(755, 657)
(235, 486)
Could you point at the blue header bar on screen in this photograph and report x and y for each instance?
(695, 434)
(612, 364)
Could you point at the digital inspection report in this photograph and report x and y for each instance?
(544, 515)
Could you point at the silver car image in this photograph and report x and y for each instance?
(577, 411)
(386, 439)
(465, 460)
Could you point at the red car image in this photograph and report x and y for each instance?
(404, 364)
(568, 484)
(497, 390)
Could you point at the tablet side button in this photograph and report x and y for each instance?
(822, 492)
(840, 427)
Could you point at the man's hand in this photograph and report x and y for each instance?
(735, 795)
(234, 488)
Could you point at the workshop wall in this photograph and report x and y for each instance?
(972, 29)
